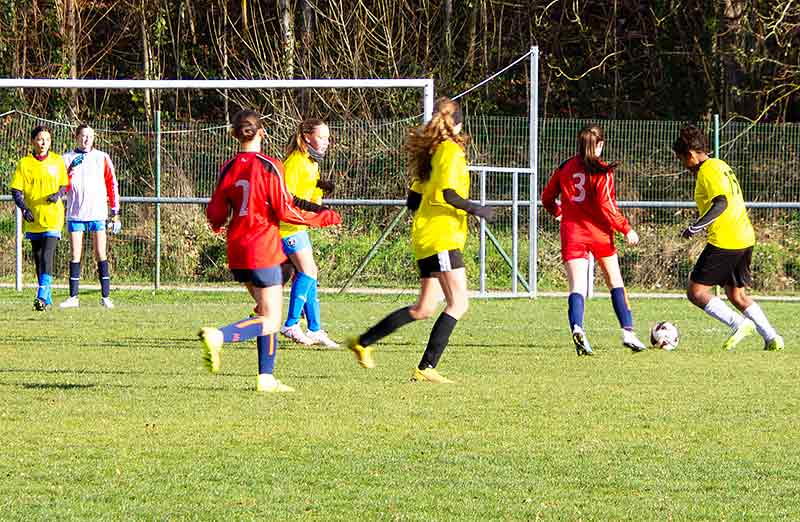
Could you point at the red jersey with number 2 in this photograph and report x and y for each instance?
(252, 199)
(588, 210)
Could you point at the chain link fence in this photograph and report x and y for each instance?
(366, 163)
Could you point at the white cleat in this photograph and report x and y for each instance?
(267, 383)
(70, 302)
(630, 340)
(296, 334)
(321, 337)
(106, 302)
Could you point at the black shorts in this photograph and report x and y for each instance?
(723, 267)
(442, 262)
(259, 277)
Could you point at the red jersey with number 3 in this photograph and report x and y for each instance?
(588, 205)
(252, 199)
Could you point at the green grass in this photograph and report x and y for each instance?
(109, 415)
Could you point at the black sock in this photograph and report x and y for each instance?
(385, 326)
(105, 280)
(440, 335)
(74, 278)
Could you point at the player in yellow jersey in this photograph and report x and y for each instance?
(725, 260)
(39, 184)
(306, 148)
(438, 197)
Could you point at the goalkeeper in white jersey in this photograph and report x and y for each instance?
(91, 194)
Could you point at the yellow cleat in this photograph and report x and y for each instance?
(745, 329)
(363, 353)
(212, 347)
(267, 383)
(430, 375)
(775, 344)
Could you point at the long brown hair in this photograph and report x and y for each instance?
(245, 125)
(588, 138)
(296, 141)
(421, 142)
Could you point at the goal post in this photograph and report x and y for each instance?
(425, 84)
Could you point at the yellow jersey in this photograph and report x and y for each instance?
(732, 230)
(437, 225)
(301, 177)
(36, 180)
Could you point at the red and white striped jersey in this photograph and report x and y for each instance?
(92, 186)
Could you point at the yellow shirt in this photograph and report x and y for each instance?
(732, 229)
(301, 178)
(437, 225)
(37, 180)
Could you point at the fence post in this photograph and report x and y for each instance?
(533, 181)
(18, 247)
(482, 238)
(157, 280)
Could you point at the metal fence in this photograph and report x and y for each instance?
(367, 164)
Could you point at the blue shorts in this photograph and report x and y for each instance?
(259, 277)
(296, 242)
(87, 226)
(33, 236)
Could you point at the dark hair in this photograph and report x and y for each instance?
(690, 138)
(39, 128)
(588, 138)
(80, 128)
(421, 142)
(296, 141)
(245, 125)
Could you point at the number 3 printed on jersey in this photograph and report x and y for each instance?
(580, 182)
(245, 195)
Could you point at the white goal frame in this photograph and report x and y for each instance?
(426, 84)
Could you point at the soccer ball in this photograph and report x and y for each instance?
(664, 335)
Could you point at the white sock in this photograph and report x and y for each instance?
(765, 330)
(717, 309)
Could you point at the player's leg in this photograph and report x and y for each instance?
(714, 267)
(268, 303)
(37, 247)
(738, 297)
(454, 286)
(49, 245)
(100, 243)
(76, 251)
(429, 296)
(577, 269)
(609, 265)
(298, 248)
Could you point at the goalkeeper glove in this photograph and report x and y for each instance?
(115, 225)
(27, 215)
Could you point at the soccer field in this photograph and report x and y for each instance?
(110, 415)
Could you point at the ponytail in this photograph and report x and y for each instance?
(588, 138)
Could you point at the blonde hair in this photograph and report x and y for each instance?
(422, 141)
(296, 141)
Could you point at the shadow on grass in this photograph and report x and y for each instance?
(54, 386)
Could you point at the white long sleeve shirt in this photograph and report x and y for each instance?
(92, 186)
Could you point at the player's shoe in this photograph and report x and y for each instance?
(321, 337)
(106, 302)
(40, 305)
(775, 344)
(582, 346)
(70, 302)
(630, 340)
(430, 375)
(363, 353)
(296, 334)
(212, 340)
(745, 329)
(267, 383)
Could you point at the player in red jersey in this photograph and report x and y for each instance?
(589, 217)
(251, 199)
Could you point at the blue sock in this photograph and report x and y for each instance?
(297, 299)
(311, 308)
(74, 278)
(619, 298)
(242, 330)
(105, 279)
(44, 291)
(575, 310)
(267, 350)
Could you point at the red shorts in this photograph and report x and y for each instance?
(576, 247)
